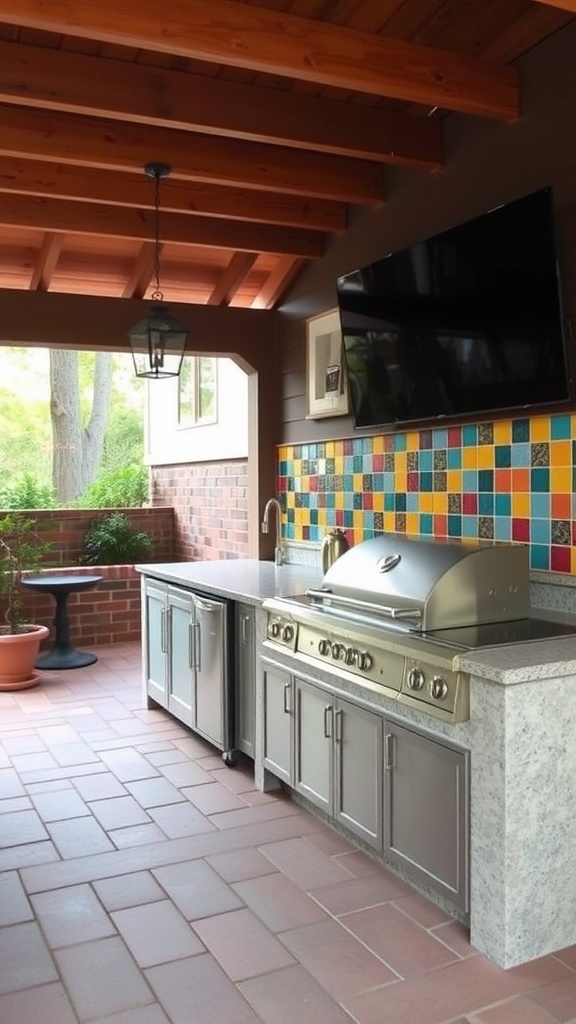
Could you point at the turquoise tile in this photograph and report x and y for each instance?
(470, 434)
(426, 523)
(485, 504)
(539, 556)
(520, 430)
(454, 526)
(485, 479)
(388, 482)
(470, 481)
(502, 505)
(389, 502)
(440, 438)
(540, 479)
(426, 461)
(400, 442)
(454, 458)
(503, 456)
(426, 482)
(412, 501)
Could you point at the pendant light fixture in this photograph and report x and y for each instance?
(158, 341)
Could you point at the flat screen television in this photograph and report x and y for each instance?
(464, 323)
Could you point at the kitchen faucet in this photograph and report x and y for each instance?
(279, 549)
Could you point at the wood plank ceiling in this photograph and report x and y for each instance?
(275, 116)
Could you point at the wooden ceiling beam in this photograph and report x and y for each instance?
(137, 284)
(46, 263)
(110, 221)
(95, 86)
(61, 181)
(117, 145)
(277, 283)
(243, 36)
(231, 278)
(562, 5)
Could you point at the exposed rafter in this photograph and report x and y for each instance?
(237, 270)
(243, 36)
(46, 263)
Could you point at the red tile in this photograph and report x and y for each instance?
(279, 902)
(242, 945)
(406, 947)
(290, 997)
(359, 893)
(514, 1011)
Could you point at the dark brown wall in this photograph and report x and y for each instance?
(485, 164)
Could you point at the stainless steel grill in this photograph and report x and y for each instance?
(395, 614)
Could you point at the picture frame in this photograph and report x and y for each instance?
(327, 390)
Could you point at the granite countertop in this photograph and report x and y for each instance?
(523, 662)
(241, 579)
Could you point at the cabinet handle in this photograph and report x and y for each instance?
(163, 647)
(389, 752)
(191, 645)
(197, 645)
(244, 628)
(286, 698)
(338, 726)
(328, 719)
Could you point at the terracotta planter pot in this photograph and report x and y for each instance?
(18, 652)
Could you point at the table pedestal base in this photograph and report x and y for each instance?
(60, 658)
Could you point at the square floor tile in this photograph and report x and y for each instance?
(279, 902)
(128, 890)
(59, 805)
(79, 837)
(47, 1004)
(118, 812)
(293, 995)
(99, 787)
(154, 792)
(22, 827)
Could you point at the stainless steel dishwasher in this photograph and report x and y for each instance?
(212, 632)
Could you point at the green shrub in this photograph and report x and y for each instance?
(27, 493)
(113, 540)
(123, 488)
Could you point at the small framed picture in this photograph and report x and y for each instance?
(327, 386)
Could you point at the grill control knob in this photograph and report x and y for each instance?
(364, 660)
(415, 679)
(438, 688)
(288, 634)
(337, 650)
(274, 629)
(324, 647)
(350, 655)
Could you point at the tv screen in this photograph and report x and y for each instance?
(466, 322)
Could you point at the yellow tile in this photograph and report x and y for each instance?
(339, 465)
(412, 523)
(358, 483)
(389, 522)
(300, 516)
(426, 501)
(470, 457)
(560, 480)
(521, 505)
(540, 428)
(573, 560)
(485, 456)
(503, 432)
(561, 453)
(413, 441)
(358, 519)
(454, 481)
(378, 444)
(401, 481)
(297, 467)
(378, 501)
(330, 449)
(440, 499)
(290, 499)
(400, 462)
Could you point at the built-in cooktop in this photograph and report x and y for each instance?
(490, 634)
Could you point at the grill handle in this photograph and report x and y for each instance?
(386, 611)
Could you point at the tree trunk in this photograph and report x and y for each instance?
(77, 451)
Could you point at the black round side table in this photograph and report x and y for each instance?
(62, 655)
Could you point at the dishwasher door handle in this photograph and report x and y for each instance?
(196, 645)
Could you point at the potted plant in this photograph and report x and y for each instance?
(21, 552)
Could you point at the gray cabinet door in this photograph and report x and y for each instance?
(426, 810)
(278, 698)
(245, 666)
(313, 748)
(358, 771)
(155, 633)
(210, 665)
(181, 671)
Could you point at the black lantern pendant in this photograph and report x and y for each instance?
(158, 341)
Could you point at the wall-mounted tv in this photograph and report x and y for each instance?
(464, 323)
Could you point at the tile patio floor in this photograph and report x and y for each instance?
(142, 882)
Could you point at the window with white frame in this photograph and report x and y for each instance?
(197, 391)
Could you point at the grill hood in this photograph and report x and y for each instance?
(431, 585)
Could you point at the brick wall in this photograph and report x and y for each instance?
(65, 529)
(210, 503)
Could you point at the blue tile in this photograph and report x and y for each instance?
(388, 482)
(469, 434)
(539, 556)
(330, 500)
(540, 531)
(426, 481)
(440, 438)
(389, 502)
(378, 479)
(357, 446)
(520, 455)
(426, 461)
(502, 505)
(400, 502)
(485, 479)
(400, 442)
(502, 528)
(357, 464)
(412, 501)
(356, 500)
(348, 520)
(485, 504)
(470, 481)
(540, 506)
(454, 526)
(560, 428)
(454, 458)
(469, 526)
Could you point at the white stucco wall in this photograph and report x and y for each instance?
(166, 442)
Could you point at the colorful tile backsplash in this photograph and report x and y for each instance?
(507, 480)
